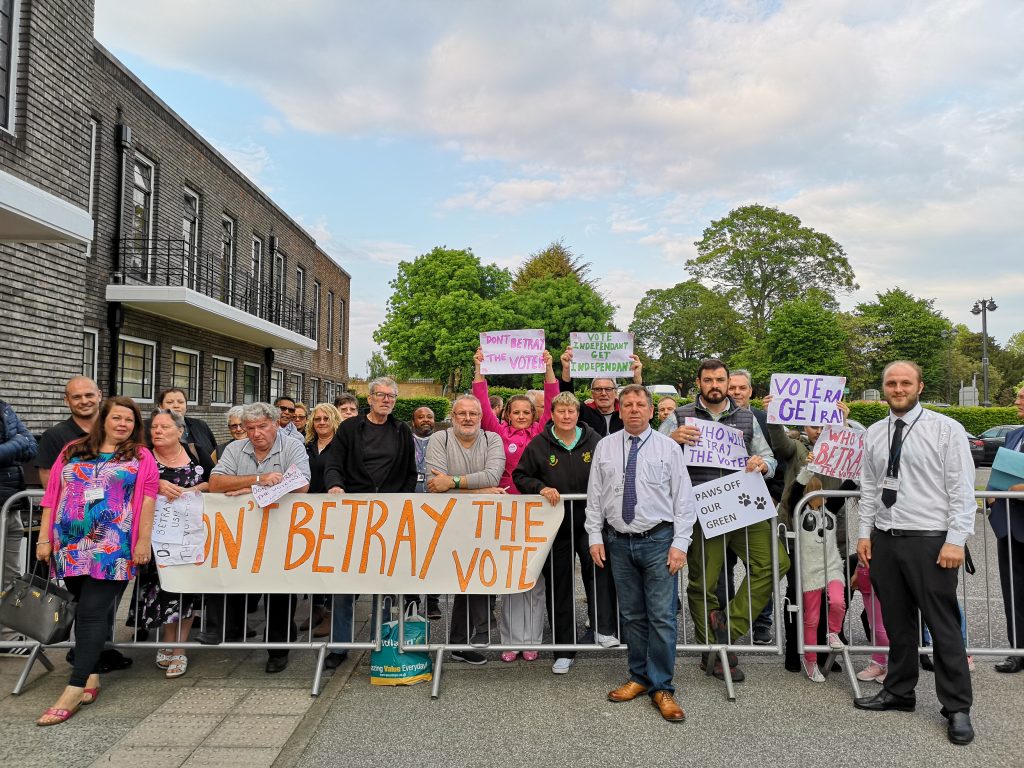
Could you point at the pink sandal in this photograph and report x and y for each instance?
(94, 693)
(509, 656)
(530, 655)
(62, 715)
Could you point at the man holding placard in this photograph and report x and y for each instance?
(640, 516)
(602, 414)
(754, 548)
(916, 513)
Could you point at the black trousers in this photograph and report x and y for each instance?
(470, 614)
(96, 599)
(907, 579)
(1011, 558)
(226, 616)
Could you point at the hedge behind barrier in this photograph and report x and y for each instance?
(975, 419)
(405, 406)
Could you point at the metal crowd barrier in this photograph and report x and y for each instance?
(981, 637)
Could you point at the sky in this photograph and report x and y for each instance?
(621, 128)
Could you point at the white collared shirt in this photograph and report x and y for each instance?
(663, 490)
(936, 477)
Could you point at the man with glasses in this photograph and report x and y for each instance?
(601, 415)
(261, 459)
(286, 421)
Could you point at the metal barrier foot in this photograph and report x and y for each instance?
(730, 687)
(319, 674)
(435, 689)
(37, 652)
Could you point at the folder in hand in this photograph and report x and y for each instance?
(1007, 470)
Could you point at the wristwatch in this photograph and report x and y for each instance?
(457, 480)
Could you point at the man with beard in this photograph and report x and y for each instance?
(916, 513)
(603, 414)
(751, 544)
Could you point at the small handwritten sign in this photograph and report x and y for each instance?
(597, 355)
(803, 399)
(179, 534)
(838, 453)
(266, 495)
(720, 446)
(732, 502)
(512, 352)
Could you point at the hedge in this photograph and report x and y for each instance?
(405, 406)
(975, 419)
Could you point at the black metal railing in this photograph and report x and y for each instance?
(171, 262)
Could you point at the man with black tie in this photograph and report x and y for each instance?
(640, 516)
(1007, 521)
(916, 513)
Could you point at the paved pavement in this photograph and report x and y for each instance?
(227, 711)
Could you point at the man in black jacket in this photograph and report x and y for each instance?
(603, 415)
(558, 461)
(371, 453)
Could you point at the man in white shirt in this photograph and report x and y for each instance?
(916, 513)
(640, 517)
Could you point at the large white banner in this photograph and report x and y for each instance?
(732, 502)
(596, 355)
(370, 544)
(512, 352)
(802, 399)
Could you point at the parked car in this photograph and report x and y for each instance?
(977, 448)
(993, 440)
(660, 390)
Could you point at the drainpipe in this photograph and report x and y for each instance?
(115, 312)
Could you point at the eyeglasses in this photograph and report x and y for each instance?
(286, 409)
(602, 389)
(385, 395)
(466, 414)
(236, 426)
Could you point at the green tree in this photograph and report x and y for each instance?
(899, 326)
(678, 327)
(763, 257)
(806, 337)
(378, 366)
(557, 260)
(560, 306)
(439, 304)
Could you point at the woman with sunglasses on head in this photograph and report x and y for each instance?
(97, 523)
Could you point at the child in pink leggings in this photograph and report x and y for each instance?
(877, 667)
(821, 569)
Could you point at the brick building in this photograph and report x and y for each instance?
(134, 252)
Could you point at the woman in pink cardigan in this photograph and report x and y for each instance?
(96, 526)
(522, 615)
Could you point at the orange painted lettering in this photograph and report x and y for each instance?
(440, 521)
(353, 506)
(488, 581)
(299, 529)
(510, 550)
(464, 576)
(372, 531)
(317, 568)
(480, 504)
(523, 583)
(232, 543)
(406, 534)
(257, 560)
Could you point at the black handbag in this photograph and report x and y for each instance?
(38, 608)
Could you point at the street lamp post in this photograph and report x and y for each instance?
(983, 307)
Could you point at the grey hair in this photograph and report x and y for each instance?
(743, 372)
(234, 412)
(383, 381)
(257, 411)
(177, 418)
(466, 396)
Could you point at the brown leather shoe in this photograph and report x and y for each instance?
(668, 707)
(627, 692)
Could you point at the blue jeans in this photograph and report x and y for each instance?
(647, 605)
(341, 620)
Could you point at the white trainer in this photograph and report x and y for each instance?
(606, 641)
(561, 666)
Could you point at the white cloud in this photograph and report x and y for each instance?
(252, 159)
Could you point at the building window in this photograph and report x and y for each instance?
(341, 326)
(227, 259)
(314, 391)
(330, 319)
(189, 238)
(136, 361)
(251, 383)
(254, 290)
(9, 10)
(90, 351)
(300, 297)
(223, 381)
(138, 251)
(314, 332)
(185, 372)
(278, 285)
(277, 384)
(295, 387)
(94, 148)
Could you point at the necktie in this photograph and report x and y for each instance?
(629, 482)
(893, 470)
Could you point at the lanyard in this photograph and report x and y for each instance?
(98, 467)
(899, 451)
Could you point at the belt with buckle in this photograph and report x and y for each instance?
(642, 534)
(912, 532)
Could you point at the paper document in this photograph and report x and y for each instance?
(266, 495)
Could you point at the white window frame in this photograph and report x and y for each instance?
(256, 270)
(259, 381)
(315, 335)
(228, 284)
(300, 291)
(330, 319)
(231, 380)
(341, 326)
(190, 267)
(7, 125)
(277, 374)
(120, 368)
(94, 129)
(295, 382)
(314, 391)
(139, 157)
(188, 390)
(95, 352)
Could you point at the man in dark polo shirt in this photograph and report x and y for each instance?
(82, 397)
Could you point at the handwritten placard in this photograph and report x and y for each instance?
(268, 494)
(600, 354)
(720, 446)
(371, 544)
(805, 399)
(179, 535)
(732, 502)
(838, 453)
(512, 352)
